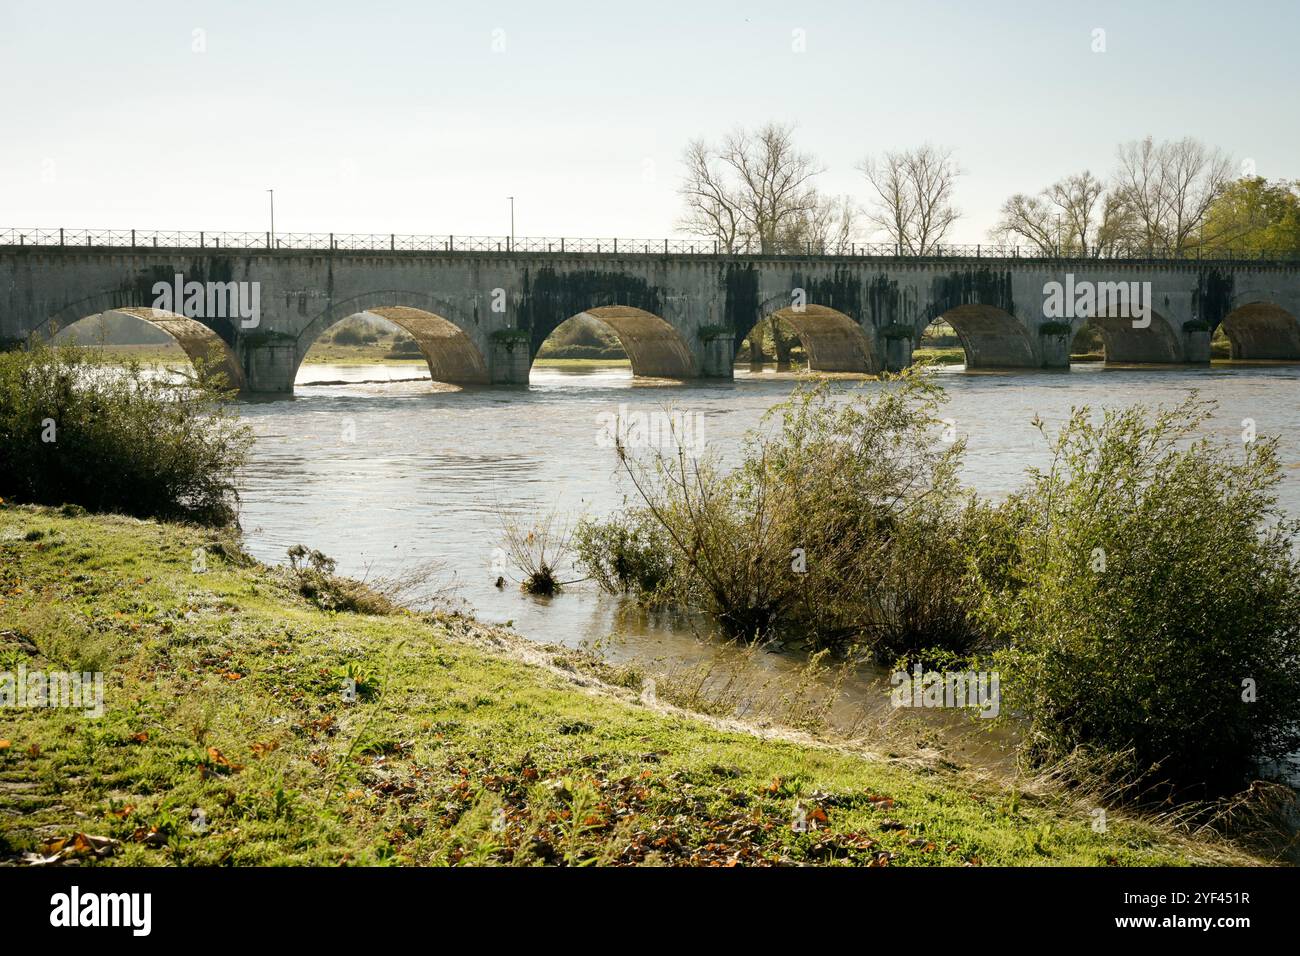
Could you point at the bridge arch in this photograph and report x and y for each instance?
(1262, 330)
(199, 341)
(991, 337)
(1157, 344)
(654, 348)
(832, 340)
(448, 350)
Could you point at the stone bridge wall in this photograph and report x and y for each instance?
(481, 317)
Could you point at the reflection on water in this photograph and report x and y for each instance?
(389, 473)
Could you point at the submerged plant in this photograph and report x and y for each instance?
(537, 549)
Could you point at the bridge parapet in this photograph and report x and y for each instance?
(174, 239)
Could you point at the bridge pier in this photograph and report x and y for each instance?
(719, 357)
(898, 352)
(270, 365)
(1196, 346)
(510, 359)
(1056, 349)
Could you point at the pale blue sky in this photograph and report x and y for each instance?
(399, 116)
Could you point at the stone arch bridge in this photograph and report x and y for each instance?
(480, 315)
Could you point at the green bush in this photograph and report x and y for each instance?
(77, 430)
(403, 348)
(820, 535)
(626, 554)
(313, 573)
(929, 581)
(581, 352)
(353, 335)
(1152, 605)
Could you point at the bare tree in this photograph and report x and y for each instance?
(712, 204)
(1062, 218)
(1168, 187)
(829, 226)
(749, 189)
(1117, 232)
(1076, 198)
(914, 190)
(1029, 219)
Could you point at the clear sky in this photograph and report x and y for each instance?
(422, 117)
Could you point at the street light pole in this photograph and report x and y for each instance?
(272, 192)
(512, 221)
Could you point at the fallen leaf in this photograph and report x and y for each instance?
(149, 837)
(219, 759)
(80, 844)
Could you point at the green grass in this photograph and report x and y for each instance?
(581, 363)
(227, 739)
(327, 353)
(940, 355)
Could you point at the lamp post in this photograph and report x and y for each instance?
(272, 192)
(512, 222)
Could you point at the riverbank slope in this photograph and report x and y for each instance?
(244, 725)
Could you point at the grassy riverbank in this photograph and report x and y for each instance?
(581, 363)
(227, 739)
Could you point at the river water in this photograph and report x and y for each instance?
(385, 474)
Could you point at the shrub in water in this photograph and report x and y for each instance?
(1153, 602)
(799, 540)
(928, 584)
(76, 430)
(626, 554)
(537, 550)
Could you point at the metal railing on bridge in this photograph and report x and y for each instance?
(397, 242)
